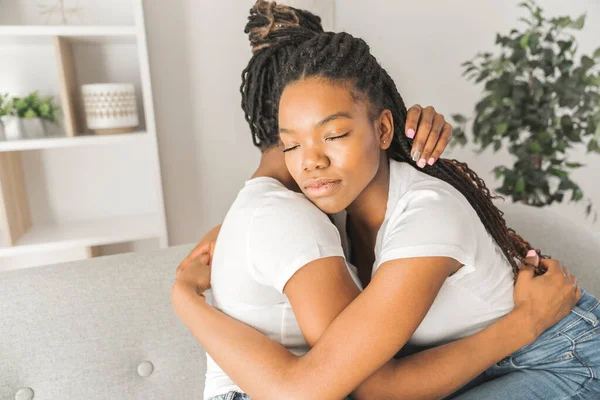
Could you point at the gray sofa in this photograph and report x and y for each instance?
(104, 328)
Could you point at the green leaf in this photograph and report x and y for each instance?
(565, 45)
(557, 172)
(561, 146)
(558, 197)
(520, 186)
(534, 40)
(30, 113)
(566, 123)
(538, 15)
(524, 41)
(45, 109)
(499, 171)
(460, 119)
(587, 62)
(482, 76)
(562, 22)
(566, 184)
(597, 53)
(526, 5)
(577, 195)
(593, 146)
(578, 23)
(535, 147)
(469, 70)
(545, 136)
(528, 22)
(575, 165)
(501, 128)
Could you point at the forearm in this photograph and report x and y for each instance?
(260, 367)
(440, 371)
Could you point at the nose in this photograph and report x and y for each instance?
(314, 158)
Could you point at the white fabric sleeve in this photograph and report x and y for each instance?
(430, 222)
(285, 237)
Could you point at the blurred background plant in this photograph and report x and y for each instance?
(540, 100)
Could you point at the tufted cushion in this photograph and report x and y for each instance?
(99, 329)
(557, 236)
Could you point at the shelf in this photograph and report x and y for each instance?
(63, 141)
(84, 234)
(33, 34)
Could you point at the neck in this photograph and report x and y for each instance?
(367, 212)
(272, 165)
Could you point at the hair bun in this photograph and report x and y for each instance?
(270, 23)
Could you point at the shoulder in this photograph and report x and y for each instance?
(288, 221)
(290, 211)
(427, 198)
(428, 217)
(285, 234)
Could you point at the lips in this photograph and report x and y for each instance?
(321, 187)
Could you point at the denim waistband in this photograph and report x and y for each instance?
(585, 308)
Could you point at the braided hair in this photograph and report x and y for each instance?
(347, 60)
(274, 31)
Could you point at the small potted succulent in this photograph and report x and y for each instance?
(27, 116)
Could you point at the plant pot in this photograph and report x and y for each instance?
(110, 108)
(2, 137)
(24, 128)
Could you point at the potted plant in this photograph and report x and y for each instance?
(5, 111)
(30, 115)
(540, 100)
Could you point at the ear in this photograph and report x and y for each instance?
(385, 129)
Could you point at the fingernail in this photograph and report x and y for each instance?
(410, 133)
(416, 156)
(422, 163)
(431, 161)
(531, 253)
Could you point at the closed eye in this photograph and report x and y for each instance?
(290, 149)
(338, 137)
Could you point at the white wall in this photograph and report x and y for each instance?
(422, 44)
(198, 50)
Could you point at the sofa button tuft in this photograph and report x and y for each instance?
(145, 368)
(24, 393)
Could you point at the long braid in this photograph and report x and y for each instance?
(341, 57)
(274, 31)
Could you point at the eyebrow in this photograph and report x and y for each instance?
(323, 121)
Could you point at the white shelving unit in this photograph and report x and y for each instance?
(75, 194)
(60, 141)
(18, 35)
(93, 233)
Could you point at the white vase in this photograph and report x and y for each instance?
(110, 107)
(16, 128)
(2, 137)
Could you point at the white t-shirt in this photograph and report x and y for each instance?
(426, 216)
(268, 234)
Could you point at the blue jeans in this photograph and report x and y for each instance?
(563, 363)
(232, 396)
